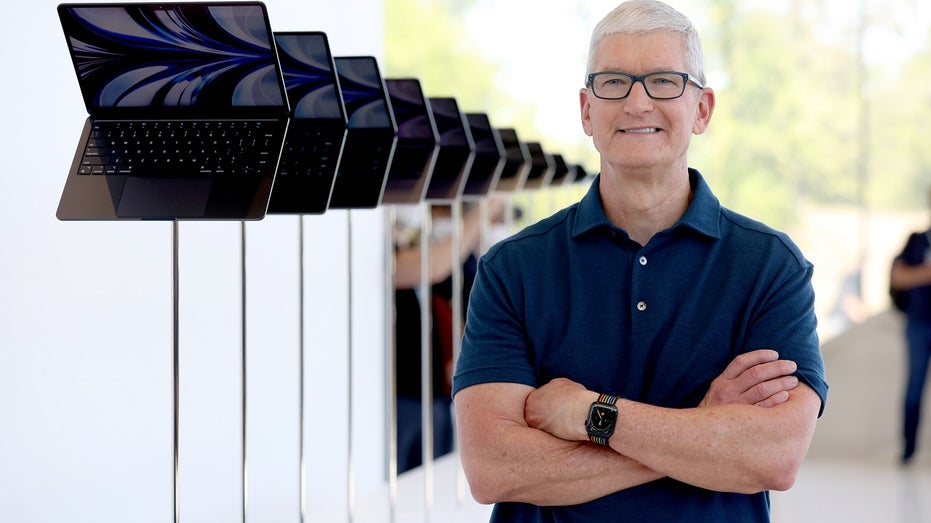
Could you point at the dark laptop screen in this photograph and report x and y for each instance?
(489, 156)
(309, 76)
(561, 170)
(449, 123)
(410, 109)
(200, 56)
(363, 92)
(515, 161)
(539, 167)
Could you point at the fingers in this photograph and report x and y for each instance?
(755, 378)
(772, 392)
(747, 360)
(761, 379)
(775, 399)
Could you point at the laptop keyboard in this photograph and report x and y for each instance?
(181, 148)
(310, 152)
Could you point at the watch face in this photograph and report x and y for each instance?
(601, 419)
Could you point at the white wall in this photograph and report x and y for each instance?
(86, 325)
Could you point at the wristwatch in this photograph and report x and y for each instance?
(602, 417)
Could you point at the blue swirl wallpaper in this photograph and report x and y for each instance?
(449, 123)
(410, 109)
(173, 55)
(365, 99)
(308, 75)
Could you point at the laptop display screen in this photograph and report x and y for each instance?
(449, 122)
(410, 110)
(363, 93)
(179, 55)
(309, 76)
(489, 156)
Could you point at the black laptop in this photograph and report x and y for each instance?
(456, 154)
(418, 143)
(516, 162)
(578, 174)
(542, 167)
(370, 142)
(489, 157)
(187, 106)
(317, 130)
(561, 171)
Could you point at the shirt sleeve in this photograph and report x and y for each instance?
(494, 345)
(785, 321)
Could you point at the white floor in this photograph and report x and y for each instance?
(852, 491)
(852, 472)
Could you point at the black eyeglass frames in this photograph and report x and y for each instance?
(662, 85)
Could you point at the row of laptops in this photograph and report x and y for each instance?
(200, 111)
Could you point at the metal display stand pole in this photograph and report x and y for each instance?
(349, 467)
(245, 469)
(457, 276)
(176, 490)
(458, 284)
(302, 429)
(392, 364)
(426, 359)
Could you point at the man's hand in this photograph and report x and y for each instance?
(560, 408)
(755, 378)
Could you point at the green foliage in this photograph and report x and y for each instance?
(424, 40)
(427, 39)
(901, 163)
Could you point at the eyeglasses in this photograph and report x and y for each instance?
(663, 85)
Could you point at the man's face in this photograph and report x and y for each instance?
(639, 132)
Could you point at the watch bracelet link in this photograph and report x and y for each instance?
(610, 400)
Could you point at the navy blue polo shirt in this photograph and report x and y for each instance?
(573, 296)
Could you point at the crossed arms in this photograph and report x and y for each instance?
(750, 433)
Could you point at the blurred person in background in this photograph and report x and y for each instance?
(911, 273)
(408, 302)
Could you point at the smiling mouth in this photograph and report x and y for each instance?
(648, 130)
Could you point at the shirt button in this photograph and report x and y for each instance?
(642, 306)
(643, 260)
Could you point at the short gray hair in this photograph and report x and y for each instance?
(649, 16)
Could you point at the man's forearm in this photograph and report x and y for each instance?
(505, 460)
(733, 448)
(550, 471)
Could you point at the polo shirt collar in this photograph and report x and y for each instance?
(701, 216)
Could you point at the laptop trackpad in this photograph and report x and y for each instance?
(164, 198)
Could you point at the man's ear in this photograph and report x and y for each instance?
(704, 111)
(585, 109)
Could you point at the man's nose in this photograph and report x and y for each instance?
(638, 97)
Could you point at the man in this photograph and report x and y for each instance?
(911, 272)
(643, 355)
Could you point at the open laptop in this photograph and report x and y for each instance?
(418, 142)
(187, 111)
(560, 172)
(317, 131)
(370, 141)
(579, 175)
(516, 162)
(489, 157)
(542, 167)
(456, 154)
